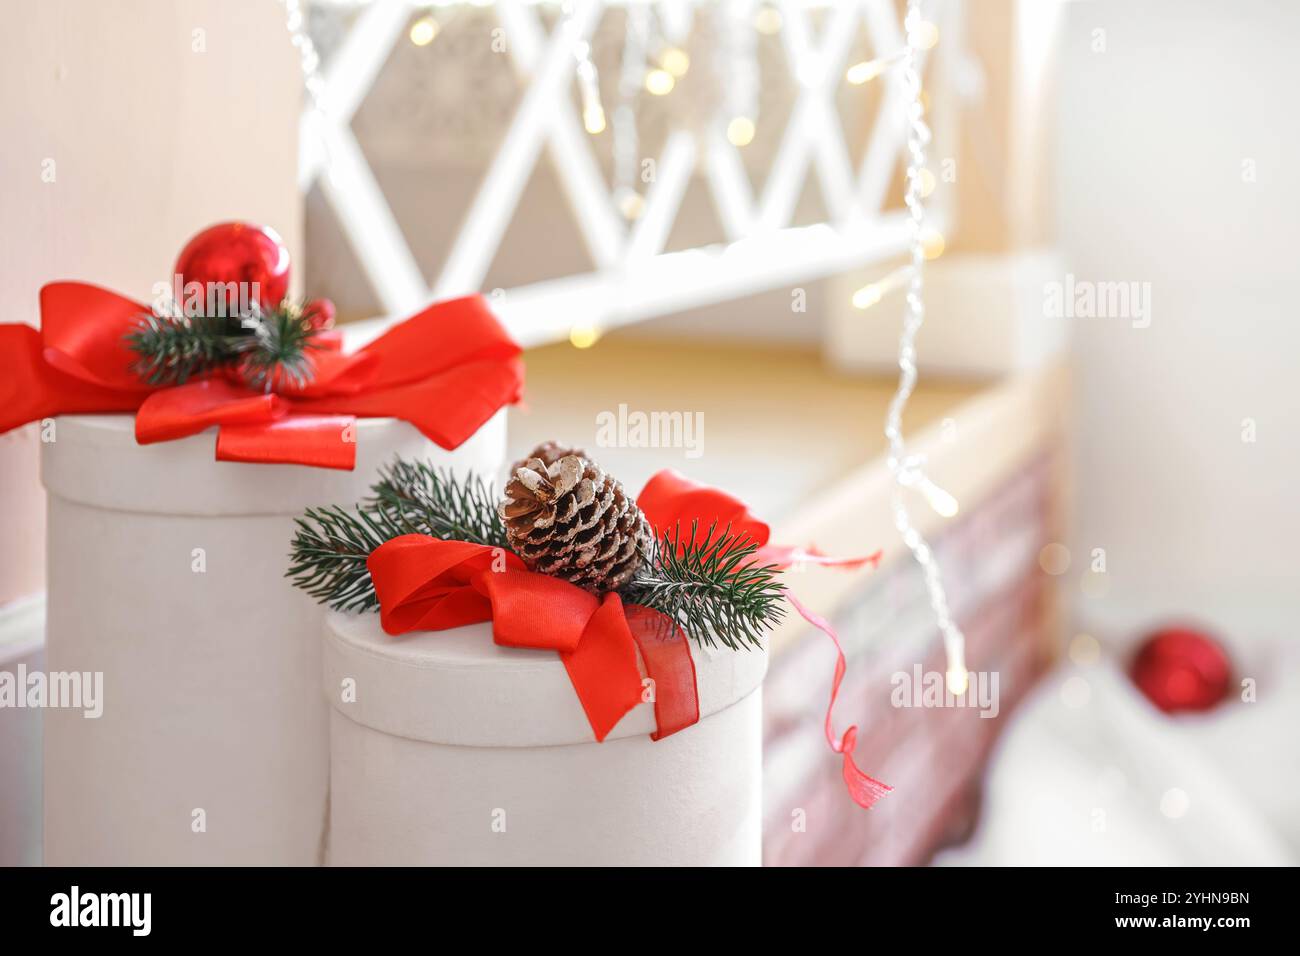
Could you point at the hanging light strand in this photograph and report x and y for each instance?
(314, 122)
(593, 111)
(308, 59)
(868, 70)
(871, 293)
(626, 140)
(739, 70)
(907, 468)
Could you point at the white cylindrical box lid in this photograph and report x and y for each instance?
(95, 460)
(459, 687)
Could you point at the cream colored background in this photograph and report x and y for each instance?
(106, 90)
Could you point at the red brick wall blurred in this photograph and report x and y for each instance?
(933, 757)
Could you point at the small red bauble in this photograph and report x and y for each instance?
(1181, 669)
(237, 252)
(319, 314)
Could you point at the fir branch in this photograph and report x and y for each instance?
(711, 587)
(268, 347)
(329, 553)
(330, 547)
(171, 349)
(423, 499)
(281, 343)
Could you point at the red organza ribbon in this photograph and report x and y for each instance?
(865, 790)
(427, 584)
(446, 370)
(672, 501)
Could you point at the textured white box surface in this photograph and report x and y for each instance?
(456, 751)
(22, 646)
(211, 679)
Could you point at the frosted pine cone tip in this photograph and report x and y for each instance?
(549, 452)
(565, 517)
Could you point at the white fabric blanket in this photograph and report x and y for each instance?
(1090, 773)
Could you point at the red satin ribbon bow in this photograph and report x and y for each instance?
(427, 584)
(446, 370)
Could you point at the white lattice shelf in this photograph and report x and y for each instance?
(633, 278)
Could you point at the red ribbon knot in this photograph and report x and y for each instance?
(446, 370)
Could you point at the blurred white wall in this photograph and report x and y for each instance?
(1178, 148)
(129, 125)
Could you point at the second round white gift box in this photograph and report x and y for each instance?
(447, 749)
(166, 577)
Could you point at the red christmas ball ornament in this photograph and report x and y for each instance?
(1181, 669)
(252, 257)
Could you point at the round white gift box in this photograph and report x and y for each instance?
(448, 749)
(167, 576)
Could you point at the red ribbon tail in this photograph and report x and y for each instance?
(188, 409)
(597, 640)
(322, 441)
(785, 556)
(25, 391)
(666, 653)
(603, 668)
(864, 789)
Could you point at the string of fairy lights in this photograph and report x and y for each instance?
(907, 469)
(738, 52)
(308, 59)
(653, 65)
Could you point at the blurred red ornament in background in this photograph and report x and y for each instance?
(1181, 669)
(238, 252)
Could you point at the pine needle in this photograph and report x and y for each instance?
(172, 349)
(269, 348)
(424, 499)
(711, 586)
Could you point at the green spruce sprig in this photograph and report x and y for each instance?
(270, 347)
(330, 548)
(172, 349)
(422, 499)
(708, 583)
(331, 545)
(280, 348)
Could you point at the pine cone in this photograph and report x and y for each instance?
(549, 452)
(567, 518)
